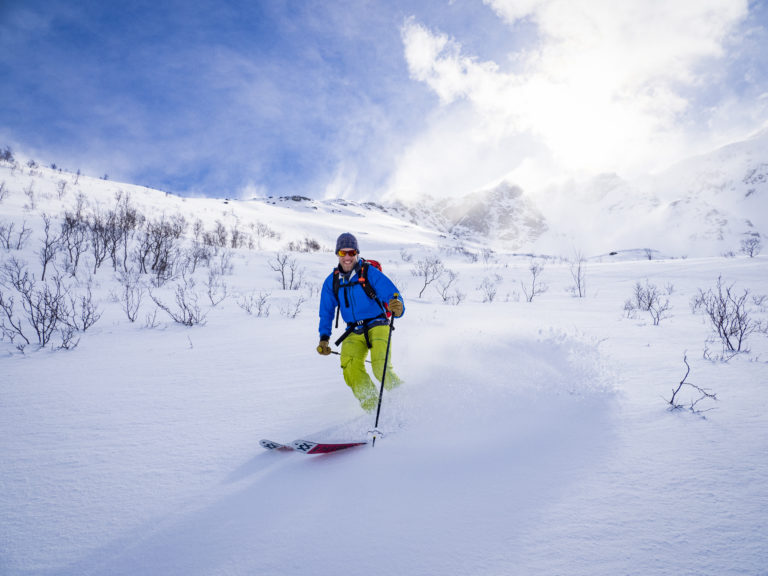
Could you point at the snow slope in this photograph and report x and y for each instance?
(528, 438)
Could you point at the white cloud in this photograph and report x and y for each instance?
(437, 60)
(606, 88)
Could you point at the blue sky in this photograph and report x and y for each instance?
(376, 99)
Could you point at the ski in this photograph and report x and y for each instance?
(308, 447)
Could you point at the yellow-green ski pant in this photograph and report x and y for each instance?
(354, 351)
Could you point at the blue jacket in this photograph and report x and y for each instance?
(353, 302)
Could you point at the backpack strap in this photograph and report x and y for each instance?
(336, 282)
(362, 279)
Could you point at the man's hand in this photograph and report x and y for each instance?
(396, 307)
(324, 348)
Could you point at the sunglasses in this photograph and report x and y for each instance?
(350, 252)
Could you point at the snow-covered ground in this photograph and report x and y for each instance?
(528, 438)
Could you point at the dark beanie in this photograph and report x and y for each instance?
(346, 241)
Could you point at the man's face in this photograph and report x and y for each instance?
(347, 259)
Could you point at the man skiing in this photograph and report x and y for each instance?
(359, 290)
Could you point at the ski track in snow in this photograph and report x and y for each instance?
(467, 457)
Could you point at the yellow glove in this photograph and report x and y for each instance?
(396, 307)
(324, 348)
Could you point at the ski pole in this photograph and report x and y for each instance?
(383, 379)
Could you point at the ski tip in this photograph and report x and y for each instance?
(271, 445)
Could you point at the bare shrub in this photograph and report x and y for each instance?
(429, 270)
(488, 289)
(131, 293)
(752, 245)
(700, 394)
(221, 263)
(305, 245)
(61, 188)
(14, 274)
(198, 228)
(263, 231)
(84, 312)
(536, 286)
(68, 335)
(219, 237)
(648, 298)
(6, 232)
(216, 287)
(29, 192)
(157, 251)
(11, 325)
(45, 308)
(124, 221)
(11, 241)
(73, 239)
(488, 256)
(444, 285)
(648, 253)
(198, 254)
(291, 276)
(98, 232)
(312, 289)
(50, 246)
(727, 313)
(238, 238)
(186, 310)
(293, 308)
(578, 274)
(255, 304)
(151, 321)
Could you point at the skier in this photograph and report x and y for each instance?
(358, 288)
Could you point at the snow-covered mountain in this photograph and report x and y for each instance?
(725, 192)
(703, 206)
(501, 216)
